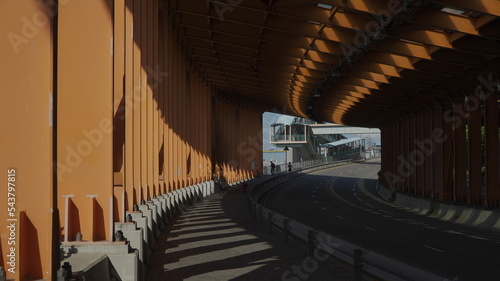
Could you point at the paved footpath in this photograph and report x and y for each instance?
(217, 239)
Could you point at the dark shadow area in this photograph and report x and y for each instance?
(30, 251)
(99, 227)
(119, 136)
(199, 224)
(208, 237)
(116, 211)
(208, 249)
(260, 255)
(74, 221)
(179, 233)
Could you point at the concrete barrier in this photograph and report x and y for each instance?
(461, 214)
(126, 260)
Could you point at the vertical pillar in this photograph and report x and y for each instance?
(85, 113)
(428, 147)
(401, 144)
(475, 153)
(156, 92)
(151, 88)
(129, 106)
(411, 156)
(459, 160)
(162, 96)
(419, 160)
(437, 156)
(406, 169)
(491, 149)
(137, 104)
(119, 108)
(145, 104)
(169, 152)
(447, 167)
(27, 144)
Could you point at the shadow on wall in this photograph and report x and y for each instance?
(74, 226)
(30, 254)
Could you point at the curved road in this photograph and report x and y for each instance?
(342, 201)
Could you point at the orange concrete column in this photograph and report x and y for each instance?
(148, 72)
(428, 146)
(475, 153)
(157, 81)
(406, 170)
(85, 115)
(400, 147)
(145, 98)
(447, 166)
(459, 153)
(491, 149)
(129, 106)
(437, 156)
(119, 109)
(412, 158)
(161, 102)
(26, 146)
(137, 104)
(419, 158)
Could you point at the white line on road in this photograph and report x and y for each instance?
(432, 248)
(385, 212)
(454, 232)
(476, 237)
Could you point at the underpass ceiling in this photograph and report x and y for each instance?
(322, 59)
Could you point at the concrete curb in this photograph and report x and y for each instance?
(465, 215)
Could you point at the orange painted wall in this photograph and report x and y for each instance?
(26, 135)
(134, 119)
(85, 117)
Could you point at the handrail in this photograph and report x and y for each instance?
(375, 264)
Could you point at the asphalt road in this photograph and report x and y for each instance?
(342, 201)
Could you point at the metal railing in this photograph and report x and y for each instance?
(361, 260)
(281, 168)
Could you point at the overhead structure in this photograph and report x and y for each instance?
(351, 62)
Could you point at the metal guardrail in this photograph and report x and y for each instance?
(362, 260)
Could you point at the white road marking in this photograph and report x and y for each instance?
(432, 248)
(454, 232)
(370, 228)
(343, 218)
(476, 237)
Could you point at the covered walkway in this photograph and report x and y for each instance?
(217, 239)
(111, 108)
